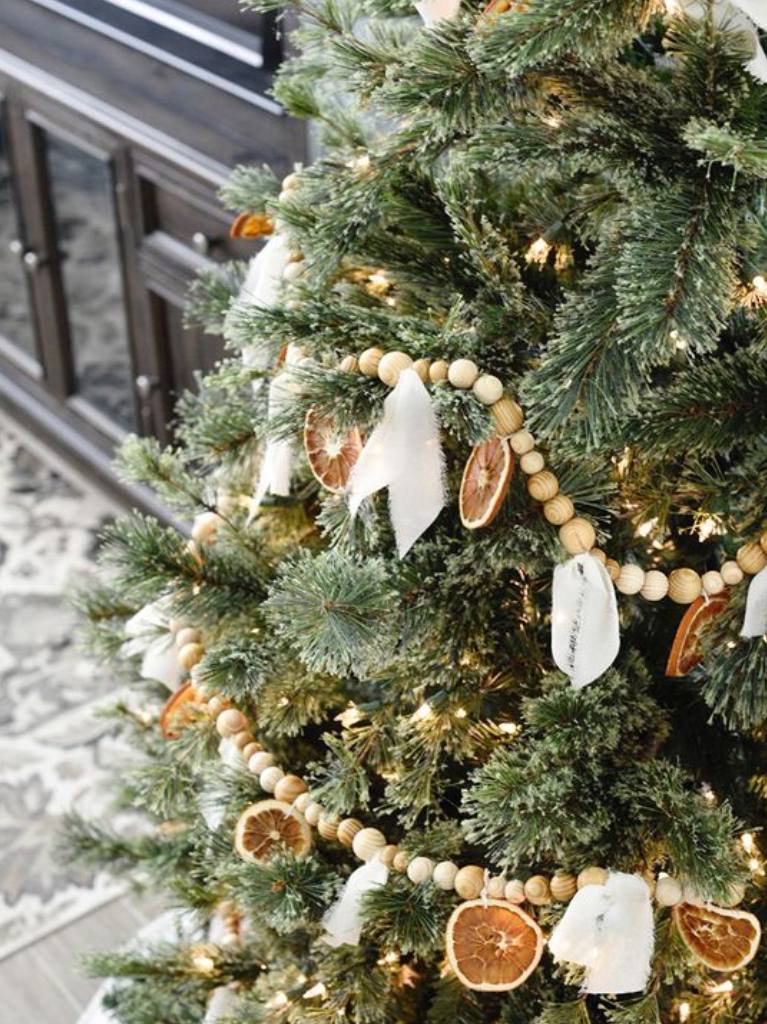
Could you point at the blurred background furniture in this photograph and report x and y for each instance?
(119, 121)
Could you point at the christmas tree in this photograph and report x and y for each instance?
(489, 746)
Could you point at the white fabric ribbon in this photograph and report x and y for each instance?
(277, 460)
(434, 11)
(609, 930)
(585, 632)
(148, 633)
(261, 288)
(742, 15)
(343, 921)
(220, 1005)
(404, 454)
(755, 621)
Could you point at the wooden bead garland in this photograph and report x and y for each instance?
(469, 882)
(563, 887)
(537, 891)
(327, 825)
(576, 534)
(514, 891)
(444, 874)
(269, 778)
(347, 830)
(289, 787)
(368, 842)
(591, 876)
(230, 721)
(420, 870)
(668, 891)
(190, 654)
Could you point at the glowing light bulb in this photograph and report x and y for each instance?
(461, 713)
(538, 252)
(646, 528)
(203, 963)
(725, 988)
(349, 716)
(760, 284)
(754, 865)
(684, 1012)
(316, 990)
(422, 713)
(747, 842)
(278, 999)
(510, 728)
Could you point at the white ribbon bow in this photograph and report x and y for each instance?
(277, 460)
(343, 921)
(149, 635)
(221, 1003)
(261, 288)
(434, 11)
(608, 929)
(737, 14)
(585, 632)
(755, 622)
(405, 455)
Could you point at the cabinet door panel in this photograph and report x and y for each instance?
(84, 219)
(16, 323)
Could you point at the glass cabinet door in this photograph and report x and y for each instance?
(84, 223)
(16, 323)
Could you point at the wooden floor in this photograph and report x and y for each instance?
(42, 984)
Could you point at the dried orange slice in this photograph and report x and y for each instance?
(492, 945)
(496, 7)
(724, 940)
(179, 710)
(269, 826)
(331, 450)
(485, 482)
(685, 653)
(251, 225)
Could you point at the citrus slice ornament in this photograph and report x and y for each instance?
(724, 940)
(485, 482)
(332, 451)
(685, 651)
(269, 826)
(179, 711)
(492, 945)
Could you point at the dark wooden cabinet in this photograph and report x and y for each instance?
(108, 208)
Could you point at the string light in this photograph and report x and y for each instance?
(283, 702)
(538, 251)
(316, 990)
(723, 989)
(461, 713)
(646, 528)
(203, 963)
(747, 842)
(680, 343)
(510, 728)
(278, 1000)
(708, 794)
(760, 284)
(349, 716)
(684, 1012)
(421, 714)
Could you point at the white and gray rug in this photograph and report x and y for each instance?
(54, 752)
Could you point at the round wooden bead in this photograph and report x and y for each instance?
(349, 364)
(469, 882)
(387, 855)
(444, 874)
(734, 896)
(400, 862)
(421, 367)
(420, 869)
(712, 582)
(655, 586)
(438, 371)
(577, 536)
(215, 704)
(496, 887)
(563, 887)
(668, 891)
(751, 558)
(763, 542)
(242, 740)
(302, 801)
(592, 876)
(487, 389)
(559, 509)
(522, 441)
(269, 778)
(249, 750)
(205, 526)
(294, 270)
(391, 366)
(290, 181)
(630, 579)
(732, 574)
(543, 486)
(507, 416)
(259, 761)
(462, 373)
(613, 569)
(313, 813)
(599, 554)
(532, 462)
(230, 721)
(289, 787)
(537, 891)
(327, 825)
(347, 830)
(187, 635)
(190, 654)
(175, 625)
(368, 842)
(369, 361)
(684, 586)
(515, 891)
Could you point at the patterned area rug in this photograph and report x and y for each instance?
(54, 751)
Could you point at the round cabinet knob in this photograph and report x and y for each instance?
(201, 243)
(145, 386)
(16, 247)
(32, 260)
